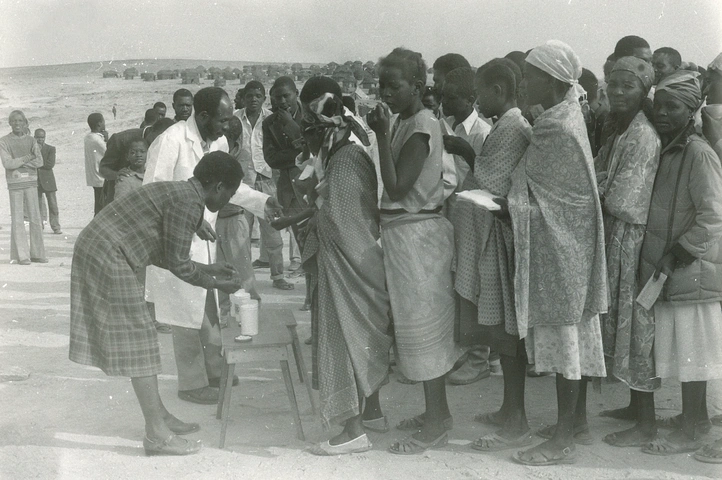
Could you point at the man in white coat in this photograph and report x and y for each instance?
(190, 310)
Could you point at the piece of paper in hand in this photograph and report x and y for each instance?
(651, 291)
(482, 198)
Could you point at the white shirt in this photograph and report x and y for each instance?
(473, 129)
(94, 151)
(252, 142)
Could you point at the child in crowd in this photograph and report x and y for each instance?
(417, 242)
(131, 177)
(431, 101)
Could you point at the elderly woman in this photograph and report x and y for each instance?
(560, 280)
(683, 242)
(632, 157)
(110, 324)
(353, 331)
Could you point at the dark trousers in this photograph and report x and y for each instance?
(98, 191)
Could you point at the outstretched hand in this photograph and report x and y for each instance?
(221, 269)
(229, 286)
(205, 232)
(273, 209)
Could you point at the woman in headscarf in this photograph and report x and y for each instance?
(683, 242)
(560, 278)
(353, 331)
(632, 157)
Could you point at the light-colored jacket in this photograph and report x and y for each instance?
(172, 157)
(686, 212)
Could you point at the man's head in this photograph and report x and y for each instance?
(254, 94)
(285, 94)
(633, 46)
(40, 136)
(160, 108)
(665, 61)
(220, 175)
(18, 123)
(590, 84)
(151, 116)
(96, 122)
(239, 101)
(458, 97)
(182, 104)
(235, 130)
(444, 64)
(213, 110)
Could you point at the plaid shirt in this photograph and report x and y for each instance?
(153, 225)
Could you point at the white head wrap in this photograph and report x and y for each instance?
(559, 60)
(716, 63)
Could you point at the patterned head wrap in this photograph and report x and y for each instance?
(639, 68)
(683, 85)
(559, 60)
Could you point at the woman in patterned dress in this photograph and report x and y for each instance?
(110, 324)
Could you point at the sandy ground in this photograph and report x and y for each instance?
(68, 421)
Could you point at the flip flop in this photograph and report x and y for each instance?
(489, 418)
(378, 425)
(494, 442)
(613, 440)
(581, 434)
(664, 447)
(357, 445)
(417, 423)
(711, 453)
(568, 456)
(412, 446)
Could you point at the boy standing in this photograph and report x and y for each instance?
(94, 151)
(46, 183)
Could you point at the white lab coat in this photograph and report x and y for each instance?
(172, 157)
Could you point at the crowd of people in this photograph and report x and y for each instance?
(600, 188)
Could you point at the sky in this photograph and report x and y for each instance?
(41, 32)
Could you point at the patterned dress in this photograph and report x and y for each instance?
(110, 325)
(560, 271)
(354, 326)
(628, 329)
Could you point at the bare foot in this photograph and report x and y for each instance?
(491, 418)
(632, 437)
(626, 413)
(548, 453)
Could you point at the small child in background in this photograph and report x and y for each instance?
(431, 101)
(131, 177)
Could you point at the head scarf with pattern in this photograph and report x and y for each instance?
(639, 68)
(683, 85)
(559, 60)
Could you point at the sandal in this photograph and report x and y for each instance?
(664, 446)
(581, 434)
(412, 446)
(357, 445)
(632, 437)
(490, 418)
(417, 422)
(494, 442)
(711, 453)
(378, 425)
(675, 423)
(281, 284)
(567, 456)
(173, 445)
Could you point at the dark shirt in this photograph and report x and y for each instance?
(115, 160)
(280, 153)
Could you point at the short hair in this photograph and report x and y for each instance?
(463, 78)
(159, 105)
(609, 65)
(589, 82)
(181, 93)
(20, 113)
(449, 62)
(217, 167)
(255, 85)
(349, 102)
(626, 45)
(501, 71)
(411, 64)
(94, 120)
(38, 130)
(673, 55)
(517, 57)
(208, 99)
(284, 81)
(431, 91)
(151, 116)
(317, 86)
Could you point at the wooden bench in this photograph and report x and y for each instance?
(276, 331)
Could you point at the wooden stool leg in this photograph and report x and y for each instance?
(292, 399)
(297, 353)
(222, 385)
(226, 402)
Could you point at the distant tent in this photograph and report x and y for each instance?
(130, 73)
(228, 74)
(148, 76)
(110, 74)
(219, 82)
(166, 75)
(201, 68)
(191, 76)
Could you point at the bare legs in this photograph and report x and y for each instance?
(353, 427)
(437, 410)
(641, 408)
(154, 412)
(512, 408)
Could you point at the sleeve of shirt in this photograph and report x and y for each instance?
(109, 164)
(36, 162)
(8, 161)
(180, 222)
(49, 163)
(276, 156)
(250, 199)
(99, 148)
(162, 158)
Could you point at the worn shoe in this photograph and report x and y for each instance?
(357, 445)
(57, 232)
(24, 262)
(281, 284)
(39, 260)
(216, 382)
(260, 264)
(172, 445)
(201, 396)
(468, 374)
(162, 327)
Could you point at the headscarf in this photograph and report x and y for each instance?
(639, 68)
(559, 60)
(683, 85)
(716, 63)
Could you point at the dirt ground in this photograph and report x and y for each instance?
(68, 421)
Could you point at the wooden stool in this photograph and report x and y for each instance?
(276, 331)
